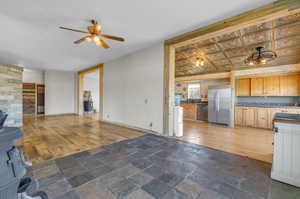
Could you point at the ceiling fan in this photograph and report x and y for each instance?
(95, 34)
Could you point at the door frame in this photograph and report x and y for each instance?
(259, 15)
(80, 90)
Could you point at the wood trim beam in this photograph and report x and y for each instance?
(207, 76)
(283, 69)
(169, 90)
(265, 13)
(80, 80)
(90, 69)
(233, 95)
(101, 92)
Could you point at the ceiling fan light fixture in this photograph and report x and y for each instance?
(96, 38)
(94, 34)
(88, 39)
(260, 56)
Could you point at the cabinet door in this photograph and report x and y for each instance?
(239, 116)
(272, 112)
(257, 86)
(249, 117)
(271, 86)
(189, 111)
(243, 87)
(289, 85)
(292, 110)
(262, 118)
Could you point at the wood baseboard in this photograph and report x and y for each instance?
(132, 127)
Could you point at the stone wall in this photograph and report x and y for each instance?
(11, 93)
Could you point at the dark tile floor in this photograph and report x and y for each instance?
(152, 166)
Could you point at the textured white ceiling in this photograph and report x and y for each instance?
(30, 35)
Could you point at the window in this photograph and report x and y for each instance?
(194, 91)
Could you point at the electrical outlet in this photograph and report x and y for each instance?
(151, 124)
(107, 116)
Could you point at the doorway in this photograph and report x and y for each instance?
(90, 91)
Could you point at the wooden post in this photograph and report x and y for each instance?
(169, 90)
(101, 91)
(80, 93)
(232, 85)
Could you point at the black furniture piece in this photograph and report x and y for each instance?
(88, 106)
(13, 185)
(3, 117)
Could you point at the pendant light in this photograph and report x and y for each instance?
(199, 62)
(260, 56)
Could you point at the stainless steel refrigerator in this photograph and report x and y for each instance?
(219, 104)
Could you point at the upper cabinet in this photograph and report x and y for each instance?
(288, 85)
(257, 86)
(243, 87)
(271, 86)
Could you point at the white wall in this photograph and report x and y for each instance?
(133, 89)
(33, 76)
(92, 84)
(60, 92)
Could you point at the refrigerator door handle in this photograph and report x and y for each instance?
(218, 102)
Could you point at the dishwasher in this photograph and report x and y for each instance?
(202, 111)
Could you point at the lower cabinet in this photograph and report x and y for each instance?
(189, 111)
(262, 118)
(245, 116)
(259, 117)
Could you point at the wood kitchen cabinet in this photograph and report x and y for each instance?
(239, 116)
(262, 118)
(243, 87)
(257, 86)
(189, 111)
(286, 85)
(249, 117)
(245, 116)
(259, 117)
(289, 85)
(271, 86)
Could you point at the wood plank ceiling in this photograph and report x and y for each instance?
(228, 52)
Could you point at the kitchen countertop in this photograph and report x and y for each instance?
(195, 103)
(267, 105)
(287, 118)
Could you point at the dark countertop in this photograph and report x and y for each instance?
(8, 134)
(286, 118)
(268, 105)
(194, 103)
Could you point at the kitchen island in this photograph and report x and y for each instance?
(286, 159)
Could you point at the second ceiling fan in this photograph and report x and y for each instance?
(95, 34)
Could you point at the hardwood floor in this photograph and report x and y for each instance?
(55, 136)
(249, 142)
(49, 137)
